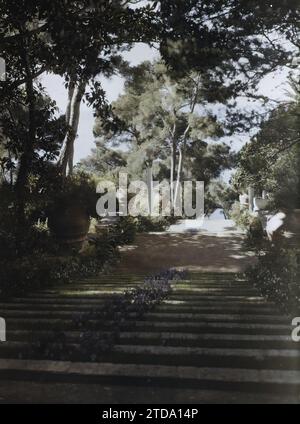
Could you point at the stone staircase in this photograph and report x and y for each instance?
(214, 340)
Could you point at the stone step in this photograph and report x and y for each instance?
(252, 354)
(209, 283)
(73, 294)
(59, 301)
(172, 299)
(169, 356)
(243, 309)
(221, 283)
(26, 349)
(57, 314)
(31, 317)
(51, 307)
(77, 291)
(64, 325)
(282, 381)
(38, 310)
(180, 355)
(154, 392)
(125, 280)
(216, 327)
(213, 317)
(225, 290)
(210, 357)
(215, 298)
(156, 326)
(135, 337)
(116, 289)
(34, 304)
(212, 275)
(112, 277)
(207, 340)
(42, 324)
(107, 279)
(222, 286)
(61, 311)
(80, 286)
(114, 274)
(22, 347)
(216, 293)
(104, 294)
(220, 303)
(191, 279)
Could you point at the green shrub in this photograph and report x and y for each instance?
(78, 189)
(276, 275)
(255, 234)
(149, 224)
(126, 230)
(251, 224)
(241, 216)
(39, 270)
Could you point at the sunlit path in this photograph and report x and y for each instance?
(209, 245)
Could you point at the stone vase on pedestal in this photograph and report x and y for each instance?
(260, 204)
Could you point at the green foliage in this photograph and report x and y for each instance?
(126, 230)
(50, 131)
(228, 40)
(252, 225)
(78, 189)
(47, 264)
(35, 272)
(157, 119)
(271, 161)
(220, 195)
(33, 238)
(241, 216)
(277, 277)
(60, 38)
(122, 233)
(48, 194)
(255, 235)
(148, 224)
(103, 161)
(206, 161)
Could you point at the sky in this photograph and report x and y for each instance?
(274, 86)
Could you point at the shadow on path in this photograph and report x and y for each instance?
(215, 247)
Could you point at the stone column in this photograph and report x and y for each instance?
(251, 194)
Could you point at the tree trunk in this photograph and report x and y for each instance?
(76, 93)
(173, 161)
(182, 151)
(179, 172)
